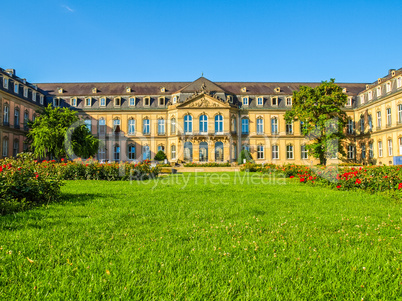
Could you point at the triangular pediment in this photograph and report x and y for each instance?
(204, 101)
(201, 84)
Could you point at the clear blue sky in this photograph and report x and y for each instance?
(90, 41)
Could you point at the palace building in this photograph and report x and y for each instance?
(205, 121)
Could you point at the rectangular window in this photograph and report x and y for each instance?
(161, 101)
(378, 91)
(380, 148)
(245, 101)
(103, 102)
(34, 96)
(88, 102)
(5, 82)
(388, 87)
(260, 101)
(362, 124)
(244, 126)
(289, 101)
(16, 88)
(362, 99)
(389, 119)
(173, 152)
(390, 148)
(274, 101)
(173, 126)
(146, 101)
(132, 101)
(289, 152)
(399, 113)
(370, 123)
(260, 152)
(275, 152)
(117, 102)
(41, 99)
(131, 126)
(399, 82)
(350, 126)
(25, 92)
(349, 102)
(370, 95)
(289, 128)
(131, 152)
(351, 152)
(161, 126)
(74, 102)
(379, 120)
(371, 151)
(363, 147)
(304, 152)
(274, 126)
(146, 129)
(260, 126)
(400, 146)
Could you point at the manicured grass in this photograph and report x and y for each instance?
(227, 241)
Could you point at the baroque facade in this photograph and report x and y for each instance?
(212, 121)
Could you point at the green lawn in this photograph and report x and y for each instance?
(227, 241)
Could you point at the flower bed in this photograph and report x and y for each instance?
(207, 164)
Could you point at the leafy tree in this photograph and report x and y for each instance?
(245, 154)
(160, 156)
(320, 110)
(48, 131)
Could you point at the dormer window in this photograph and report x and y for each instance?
(278, 89)
(289, 101)
(174, 99)
(229, 98)
(388, 87)
(379, 80)
(147, 101)
(34, 96)
(88, 101)
(245, 101)
(161, 101)
(128, 90)
(260, 101)
(94, 90)
(103, 101)
(56, 102)
(362, 99)
(344, 90)
(274, 101)
(379, 91)
(16, 88)
(5, 82)
(163, 90)
(74, 101)
(25, 92)
(131, 101)
(244, 89)
(370, 95)
(60, 90)
(349, 102)
(399, 82)
(117, 101)
(41, 99)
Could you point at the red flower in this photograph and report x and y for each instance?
(289, 177)
(339, 186)
(37, 176)
(400, 186)
(310, 178)
(62, 159)
(301, 179)
(358, 181)
(1, 168)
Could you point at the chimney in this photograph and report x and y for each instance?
(11, 71)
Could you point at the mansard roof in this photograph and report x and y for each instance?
(154, 88)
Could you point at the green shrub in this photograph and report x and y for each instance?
(245, 154)
(160, 156)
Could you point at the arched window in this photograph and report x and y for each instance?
(116, 125)
(203, 123)
(161, 148)
(131, 152)
(161, 126)
(16, 147)
(173, 126)
(260, 126)
(131, 126)
(188, 151)
(88, 124)
(17, 118)
(146, 153)
(244, 126)
(260, 151)
(102, 126)
(203, 152)
(218, 124)
(5, 146)
(6, 116)
(289, 152)
(218, 151)
(116, 152)
(188, 124)
(173, 152)
(274, 126)
(146, 127)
